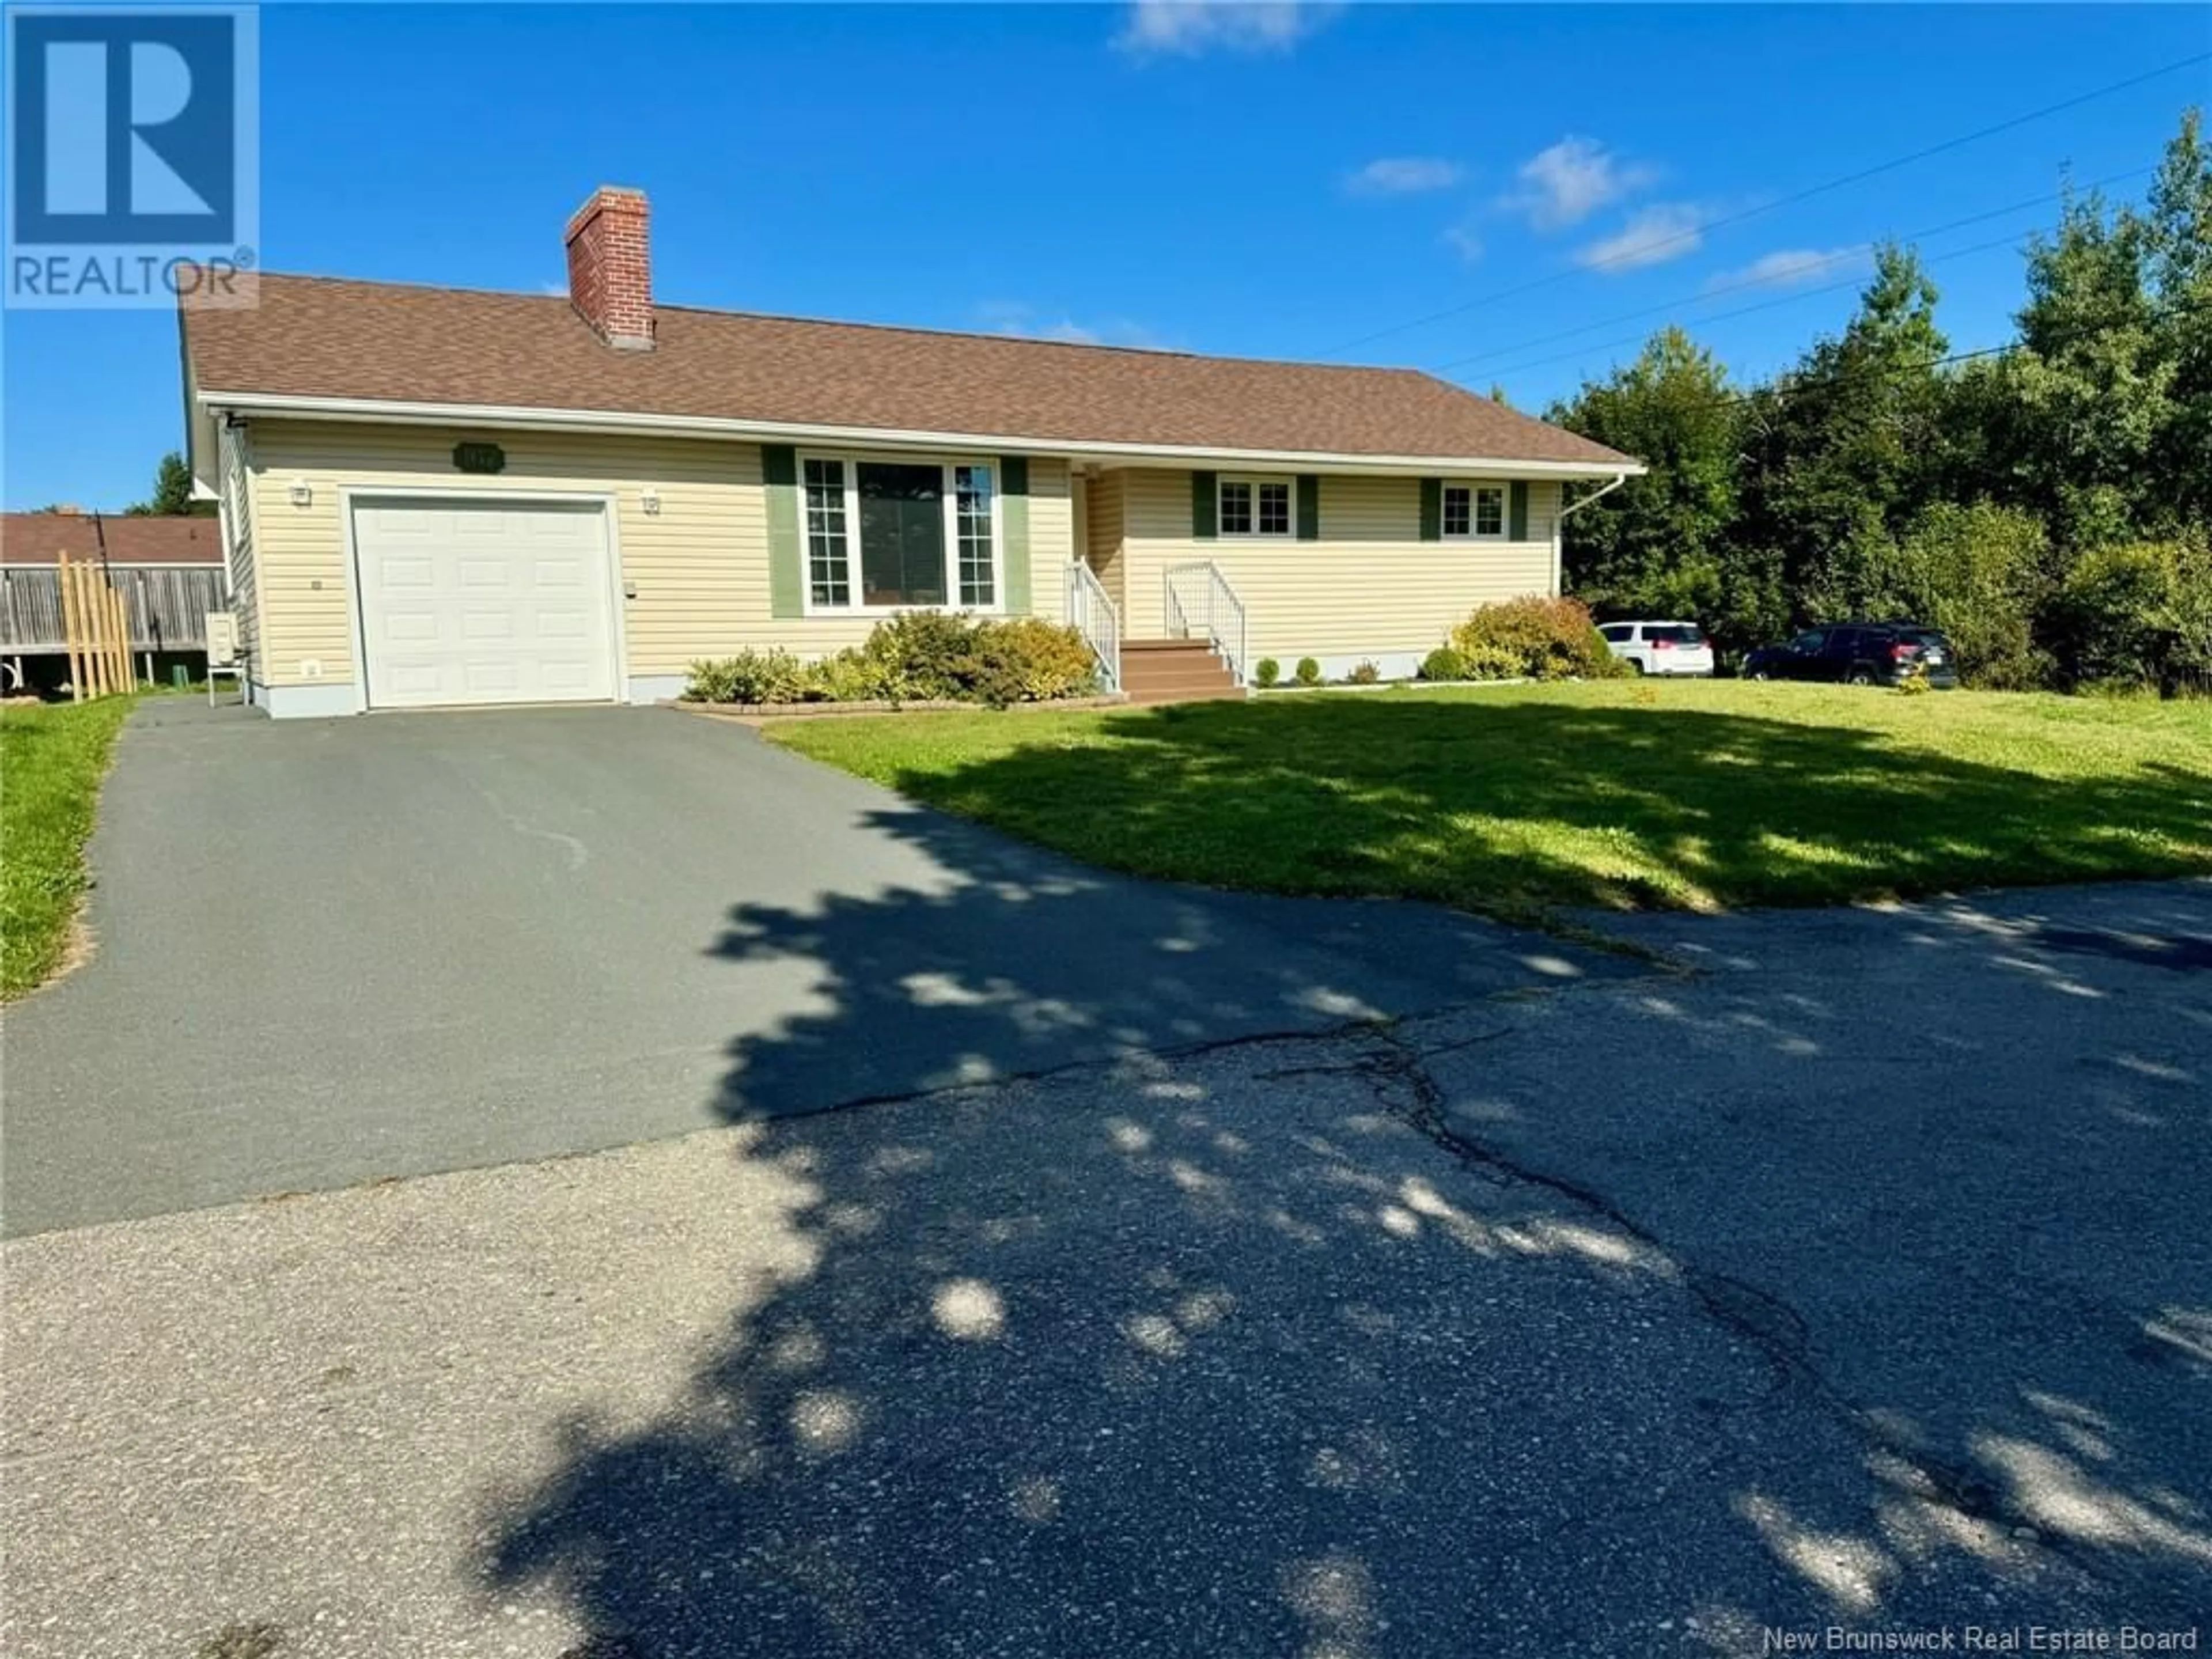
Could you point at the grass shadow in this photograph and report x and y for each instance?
(1515, 804)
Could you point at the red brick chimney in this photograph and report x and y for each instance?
(611, 267)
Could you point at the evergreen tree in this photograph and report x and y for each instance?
(1844, 449)
(172, 494)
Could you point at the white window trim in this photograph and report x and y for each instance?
(851, 460)
(1504, 529)
(1290, 531)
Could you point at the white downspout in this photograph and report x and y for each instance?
(1605, 488)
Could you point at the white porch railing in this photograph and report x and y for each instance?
(1200, 603)
(1091, 613)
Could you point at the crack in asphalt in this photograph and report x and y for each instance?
(1758, 1317)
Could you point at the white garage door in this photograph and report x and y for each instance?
(484, 602)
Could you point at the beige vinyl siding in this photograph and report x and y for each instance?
(1106, 496)
(1052, 537)
(1370, 585)
(234, 484)
(699, 566)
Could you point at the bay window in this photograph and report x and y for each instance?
(889, 535)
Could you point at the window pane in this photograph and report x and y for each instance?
(1489, 511)
(901, 533)
(972, 510)
(1235, 509)
(1275, 509)
(1459, 510)
(826, 568)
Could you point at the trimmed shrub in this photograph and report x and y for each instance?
(921, 654)
(1308, 673)
(850, 675)
(1267, 671)
(917, 656)
(1363, 673)
(771, 676)
(1548, 639)
(1490, 662)
(708, 680)
(1026, 661)
(1444, 663)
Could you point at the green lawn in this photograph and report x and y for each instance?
(1621, 794)
(52, 761)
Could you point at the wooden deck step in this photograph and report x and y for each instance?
(1175, 671)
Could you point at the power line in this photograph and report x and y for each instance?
(1838, 258)
(1644, 250)
(1746, 311)
(1795, 384)
(1785, 389)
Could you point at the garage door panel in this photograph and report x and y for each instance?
(488, 602)
(411, 627)
(478, 625)
(412, 681)
(562, 625)
(487, 573)
(406, 573)
(570, 678)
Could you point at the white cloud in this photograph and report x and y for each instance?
(1186, 27)
(1019, 320)
(1461, 239)
(1652, 236)
(1405, 175)
(1788, 267)
(1565, 184)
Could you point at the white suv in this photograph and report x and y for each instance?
(1659, 647)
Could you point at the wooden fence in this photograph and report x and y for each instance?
(168, 606)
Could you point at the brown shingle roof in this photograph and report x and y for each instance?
(322, 337)
(36, 538)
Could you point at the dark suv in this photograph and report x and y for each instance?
(1858, 653)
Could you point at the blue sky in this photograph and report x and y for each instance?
(1275, 181)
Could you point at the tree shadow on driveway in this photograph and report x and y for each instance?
(1279, 1344)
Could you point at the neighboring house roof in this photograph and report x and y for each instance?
(37, 538)
(314, 337)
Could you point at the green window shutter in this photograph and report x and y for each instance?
(1014, 532)
(1432, 509)
(1516, 511)
(1202, 506)
(787, 555)
(1309, 507)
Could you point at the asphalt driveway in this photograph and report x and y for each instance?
(1856, 1292)
(333, 951)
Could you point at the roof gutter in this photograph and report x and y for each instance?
(616, 421)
